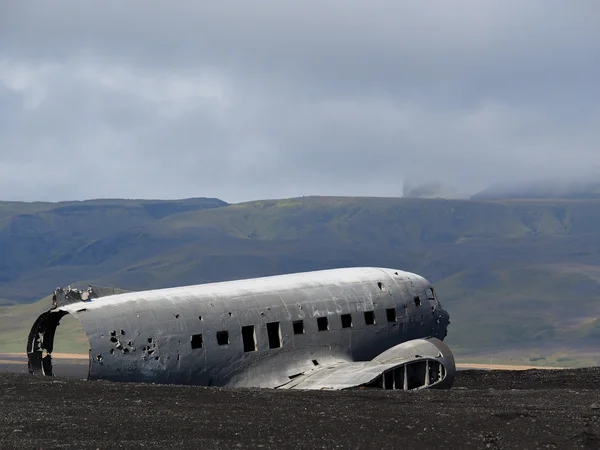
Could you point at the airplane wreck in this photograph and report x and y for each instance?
(330, 329)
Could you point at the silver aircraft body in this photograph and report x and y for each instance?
(329, 329)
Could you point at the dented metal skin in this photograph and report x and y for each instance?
(153, 336)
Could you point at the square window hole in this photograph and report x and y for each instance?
(370, 317)
(391, 314)
(418, 301)
(298, 326)
(222, 337)
(196, 340)
(322, 323)
(346, 320)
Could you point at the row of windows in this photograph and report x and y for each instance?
(274, 330)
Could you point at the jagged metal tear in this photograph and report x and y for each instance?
(41, 336)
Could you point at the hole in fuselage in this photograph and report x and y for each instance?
(346, 320)
(223, 337)
(249, 338)
(298, 326)
(391, 314)
(196, 341)
(274, 334)
(322, 323)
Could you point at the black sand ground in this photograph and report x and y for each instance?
(496, 409)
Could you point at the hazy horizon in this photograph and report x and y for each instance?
(558, 187)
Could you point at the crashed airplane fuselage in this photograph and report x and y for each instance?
(330, 329)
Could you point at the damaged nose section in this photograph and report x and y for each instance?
(440, 325)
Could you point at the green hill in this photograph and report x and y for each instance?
(515, 275)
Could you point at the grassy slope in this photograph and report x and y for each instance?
(513, 274)
(16, 321)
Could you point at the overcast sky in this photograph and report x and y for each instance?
(256, 99)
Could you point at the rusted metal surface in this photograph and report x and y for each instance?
(263, 332)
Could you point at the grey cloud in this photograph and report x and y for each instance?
(246, 100)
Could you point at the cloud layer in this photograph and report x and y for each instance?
(267, 99)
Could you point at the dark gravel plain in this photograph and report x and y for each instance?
(485, 410)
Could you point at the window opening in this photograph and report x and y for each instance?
(418, 300)
(322, 323)
(222, 337)
(274, 333)
(249, 338)
(431, 298)
(370, 317)
(196, 341)
(298, 326)
(346, 320)
(391, 314)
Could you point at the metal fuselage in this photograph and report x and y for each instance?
(258, 332)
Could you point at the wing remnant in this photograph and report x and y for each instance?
(416, 364)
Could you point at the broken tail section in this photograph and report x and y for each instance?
(40, 342)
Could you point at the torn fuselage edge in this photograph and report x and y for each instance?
(41, 339)
(41, 336)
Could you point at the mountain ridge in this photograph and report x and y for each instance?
(511, 272)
